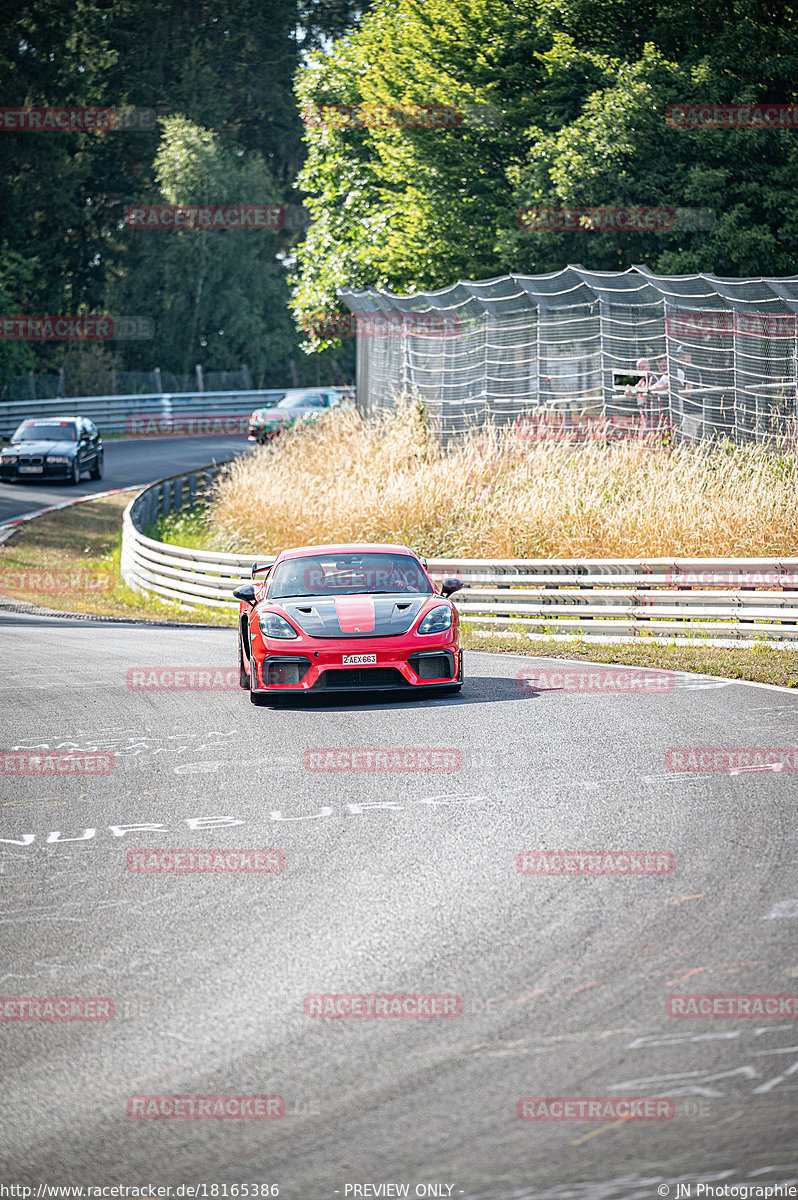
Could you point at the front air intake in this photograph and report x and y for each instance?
(284, 671)
(433, 666)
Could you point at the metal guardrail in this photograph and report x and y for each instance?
(625, 597)
(121, 414)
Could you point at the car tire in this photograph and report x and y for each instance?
(243, 677)
(98, 470)
(74, 478)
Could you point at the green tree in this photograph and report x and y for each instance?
(218, 297)
(227, 66)
(413, 207)
(16, 278)
(580, 89)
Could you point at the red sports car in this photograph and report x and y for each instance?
(346, 618)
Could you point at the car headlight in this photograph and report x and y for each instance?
(437, 620)
(57, 458)
(9, 458)
(272, 625)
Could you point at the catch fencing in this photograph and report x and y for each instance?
(559, 355)
(737, 598)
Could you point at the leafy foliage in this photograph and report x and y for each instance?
(564, 103)
(224, 69)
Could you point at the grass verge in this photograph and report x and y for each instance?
(759, 662)
(69, 561)
(493, 494)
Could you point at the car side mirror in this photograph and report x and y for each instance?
(245, 592)
(450, 584)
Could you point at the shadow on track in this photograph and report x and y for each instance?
(486, 689)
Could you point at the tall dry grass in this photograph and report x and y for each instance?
(495, 496)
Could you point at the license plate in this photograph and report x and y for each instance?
(359, 660)
(31, 470)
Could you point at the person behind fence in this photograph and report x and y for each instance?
(640, 389)
(658, 413)
(689, 378)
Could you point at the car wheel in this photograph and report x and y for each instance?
(98, 470)
(243, 677)
(74, 478)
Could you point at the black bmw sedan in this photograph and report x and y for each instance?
(53, 448)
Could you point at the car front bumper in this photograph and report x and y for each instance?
(11, 471)
(306, 669)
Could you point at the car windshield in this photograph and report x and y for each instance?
(301, 402)
(347, 575)
(33, 431)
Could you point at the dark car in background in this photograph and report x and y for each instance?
(53, 448)
(298, 404)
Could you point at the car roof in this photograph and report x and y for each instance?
(346, 548)
(308, 391)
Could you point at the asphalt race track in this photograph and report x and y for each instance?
(128, 462)
(394, 882)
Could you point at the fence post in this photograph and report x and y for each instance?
(200, 381)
